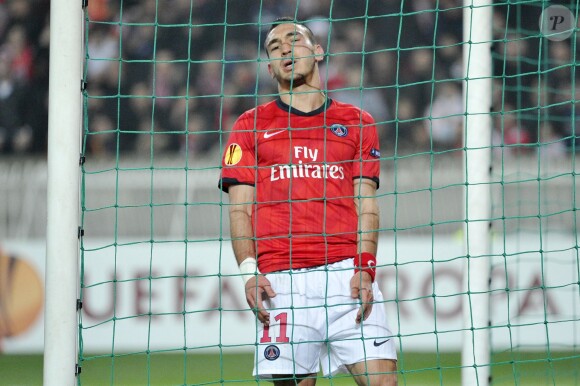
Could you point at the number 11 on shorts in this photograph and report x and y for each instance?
(282, 319)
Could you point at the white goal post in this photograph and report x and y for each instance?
(477, 36)
(62, 250)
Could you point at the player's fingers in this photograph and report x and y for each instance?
(263, 315)
(252, 294)
(269, 291)
(366, 304)
(367, 310)
(359, 315)
(366, 295)
(250, 297)
(354, 292)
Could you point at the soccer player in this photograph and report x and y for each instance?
(301, 172)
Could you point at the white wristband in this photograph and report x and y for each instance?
(248, 269)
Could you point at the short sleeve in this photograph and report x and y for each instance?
(367, 160)
(238, 165)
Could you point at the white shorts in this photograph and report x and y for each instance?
(312, 324)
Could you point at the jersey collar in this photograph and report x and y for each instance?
(292, 110)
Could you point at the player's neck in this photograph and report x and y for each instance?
(303, 98)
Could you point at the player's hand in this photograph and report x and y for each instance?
(361, 287)
(258, 290)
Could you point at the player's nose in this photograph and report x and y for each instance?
(286, 48)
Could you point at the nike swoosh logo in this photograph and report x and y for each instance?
(377, 344)
(268, 135)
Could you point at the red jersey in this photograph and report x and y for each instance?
(303, 166)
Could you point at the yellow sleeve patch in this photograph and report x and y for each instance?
(233, 154)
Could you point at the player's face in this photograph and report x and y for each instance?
(292, 54)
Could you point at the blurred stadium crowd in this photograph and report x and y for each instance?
(176, 73)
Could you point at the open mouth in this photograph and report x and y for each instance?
(287, 64)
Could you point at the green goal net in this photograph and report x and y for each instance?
(164, 81)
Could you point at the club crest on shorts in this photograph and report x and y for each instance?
(339, 130)
(271, 352)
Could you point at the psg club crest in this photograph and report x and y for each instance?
(339, 130)
(272, 352)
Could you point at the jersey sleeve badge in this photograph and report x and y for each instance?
(233, 154)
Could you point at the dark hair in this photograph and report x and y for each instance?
(289, 19)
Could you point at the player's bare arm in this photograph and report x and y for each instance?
(240, 209)
(258, 288)
(368, 212)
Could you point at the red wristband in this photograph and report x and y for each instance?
(367, 263)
